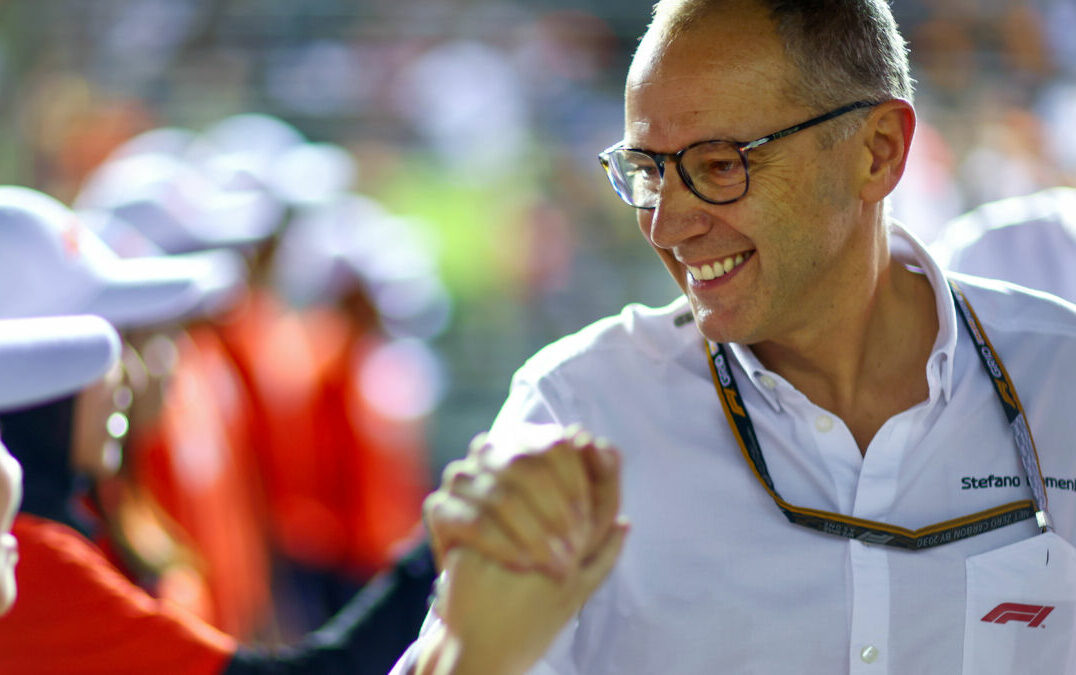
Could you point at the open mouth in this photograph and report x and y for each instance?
(719, 268)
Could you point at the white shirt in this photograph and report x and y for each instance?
(713, 578)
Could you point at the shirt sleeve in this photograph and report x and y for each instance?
(76, 613)
(534, 400)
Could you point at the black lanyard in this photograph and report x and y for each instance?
(874, 532)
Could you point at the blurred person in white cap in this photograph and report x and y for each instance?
(42, 359)
(261, 151)
(1027, 237)
(177, 206)
(342, 392)
(342, 480)
(189, 453)
(1028, 240)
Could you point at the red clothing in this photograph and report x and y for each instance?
(381, 472)
(344, 483)
(75, 613)
(195, 464)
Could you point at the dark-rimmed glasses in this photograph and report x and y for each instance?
(716, 171)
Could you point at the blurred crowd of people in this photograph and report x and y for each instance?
(257, 453)
(319, 303)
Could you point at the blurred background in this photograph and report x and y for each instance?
(479, 122)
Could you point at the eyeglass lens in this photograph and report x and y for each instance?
(714, 171)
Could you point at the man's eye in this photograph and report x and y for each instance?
(723, 166)
(644, 173)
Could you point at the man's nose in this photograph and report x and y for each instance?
(678, 215)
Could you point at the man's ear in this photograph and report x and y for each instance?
(889, 129)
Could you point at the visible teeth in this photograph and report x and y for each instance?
(716, 269)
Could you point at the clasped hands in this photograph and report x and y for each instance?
(524, 534)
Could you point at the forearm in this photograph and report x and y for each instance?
(495, 621)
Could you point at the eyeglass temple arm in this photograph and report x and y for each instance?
(805, 125)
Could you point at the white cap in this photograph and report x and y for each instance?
(172, 141)
(329, 248)
(48, 357)
(262, 138)
(312, 172)
(52, 264)
(253, 150)
(221, 273)
(176, 206)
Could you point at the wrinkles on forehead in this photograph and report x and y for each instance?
(680, 112)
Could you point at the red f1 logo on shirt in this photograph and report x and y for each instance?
(1032, 615)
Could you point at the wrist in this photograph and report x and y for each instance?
(448, 654)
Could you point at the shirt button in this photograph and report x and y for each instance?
(767, 381)
(823, 423)
(869, 654)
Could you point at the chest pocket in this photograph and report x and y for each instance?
(1021, 609)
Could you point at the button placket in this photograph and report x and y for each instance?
(870, 608)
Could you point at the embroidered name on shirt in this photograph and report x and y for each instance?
(992, 481)
(1032, 615)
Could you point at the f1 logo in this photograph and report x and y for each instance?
(1032, 615)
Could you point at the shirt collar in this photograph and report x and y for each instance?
(905, 249)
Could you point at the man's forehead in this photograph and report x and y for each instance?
(711, 99)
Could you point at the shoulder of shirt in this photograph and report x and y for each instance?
(1005, 306)
(651, 333)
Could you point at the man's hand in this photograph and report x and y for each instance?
(525, 535)
(546, 504)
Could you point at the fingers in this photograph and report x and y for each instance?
(571, 471)
(544, 507)
(452, 522)
(517, 510)
(597, 567)
(552, 486)
(603, 470)
(554, 482)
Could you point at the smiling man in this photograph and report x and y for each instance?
(791, 436)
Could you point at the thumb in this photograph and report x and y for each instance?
(603, 464)
(597, 567)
